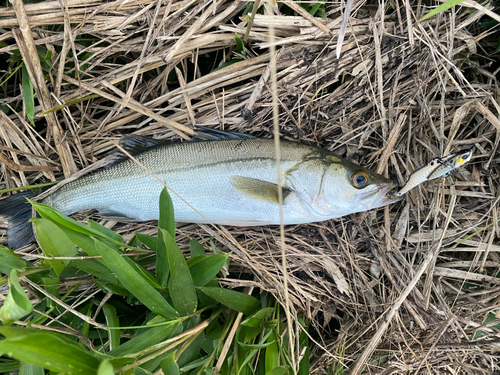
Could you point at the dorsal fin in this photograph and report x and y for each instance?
(208, 134)
(134, 145)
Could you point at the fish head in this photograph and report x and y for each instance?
(332, 187)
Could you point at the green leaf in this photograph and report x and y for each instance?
(85, 329)
(64, 221)
(28, 96)
(95, 268)
(180, 285)
(17, 303)
(252, 353)
(167, 219)
(147, 240)
(54, 243)
(134, 283)
(234, 60)
(441, 8)
(169, 365)
(146, 339)
(255, 346)
(256, 319)
(490, 318)
(48, 350)
(316, 7)
(113, 321)
(9, 260)
(67, 104)
(88, 245)
(30, 369)
(105, 231)
(272, 356)
(235, 300)
(105, 368)
(206, 269)
(195, 248)
(195, 364)
(11, 74)
(166, 222)
(304, 365)
(240, 46)
(51, 285)
(7, 366)
(112, 288)
(278, 370)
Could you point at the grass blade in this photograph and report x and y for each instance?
(272, 359)
(169, 365)
(149, 241)
(105, 231)
(112, 321)
(97, 269)
(30, 369)
(279, 370)
(54, 243)
(17, 303)
(28, 95)
(166, 222)
(234, 300)
(48, 350)
(9, 260)
(145, 340)
(195, 249)
(207, 268)
(180, 285)
(134, 282)
(62, 220)
(441, 8)
(105, 368)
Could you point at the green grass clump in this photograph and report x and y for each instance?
(179, 321)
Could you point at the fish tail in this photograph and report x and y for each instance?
(17, 210)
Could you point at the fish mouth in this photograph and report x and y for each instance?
(382, 195)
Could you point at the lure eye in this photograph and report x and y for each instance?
(359, 179)
(463, 158)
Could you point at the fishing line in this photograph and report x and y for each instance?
(274, 94)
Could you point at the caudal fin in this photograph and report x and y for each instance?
(17, 210)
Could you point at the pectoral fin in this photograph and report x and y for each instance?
(259, 189)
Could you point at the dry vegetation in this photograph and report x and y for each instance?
(409, 288)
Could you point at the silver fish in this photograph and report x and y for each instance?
(229, 182)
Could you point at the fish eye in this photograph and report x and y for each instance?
(359, 179)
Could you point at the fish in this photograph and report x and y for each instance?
(230, 179)
(437, 167)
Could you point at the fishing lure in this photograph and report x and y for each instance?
(437, 167)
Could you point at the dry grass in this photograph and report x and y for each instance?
(409, 286)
